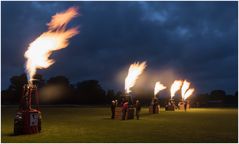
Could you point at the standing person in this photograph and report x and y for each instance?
(122, 102)
(116, 103)
(138, 108)
(113, 105)
(124, 110)
(155, 106)
(185, 105)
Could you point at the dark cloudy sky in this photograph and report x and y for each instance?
(196, 41)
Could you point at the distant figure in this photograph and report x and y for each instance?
(116, 103)
(155, 105)
(169, 103)
(185, 105)
(172, 103)
(124, 109)
(113, 105)
(122, 102)
(138, 108)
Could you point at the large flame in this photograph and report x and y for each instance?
(188, 93)
(134, 71)
(158, 87)
(184, 88)
(185, 91)
(56, 38)
(175, 87)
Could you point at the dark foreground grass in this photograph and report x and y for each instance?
(76, 124)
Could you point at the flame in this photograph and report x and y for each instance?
(185, 91)
(188, 93)
(175, 87)
(135, 70)
(158, 87)
(184, 88)
(56, 38)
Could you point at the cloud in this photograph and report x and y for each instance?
(196, 40)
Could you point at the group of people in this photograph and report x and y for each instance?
(124, 105)
(171, 104)
(155, 105)
(124, 108)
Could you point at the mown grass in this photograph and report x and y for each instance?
(77, 124)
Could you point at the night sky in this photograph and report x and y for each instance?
(196, 41)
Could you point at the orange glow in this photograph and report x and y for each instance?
(56, 38)
(185, 91)
(188, 93)
(175, 87)
(158, 87)
(184, 88)
(135, 70)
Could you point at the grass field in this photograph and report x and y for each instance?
(76, 124)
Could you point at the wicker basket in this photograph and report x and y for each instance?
(129, 114)
(151, 109)
(181, 106)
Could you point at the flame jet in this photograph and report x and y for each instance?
(135, 70)
(184, 88)
(185, 91)
(188, 93)
(175, 87)
(56, 38)
(158, 87)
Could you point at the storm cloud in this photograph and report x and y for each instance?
(196, 41)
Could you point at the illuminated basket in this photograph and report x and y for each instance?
(129, 114)
(181, 106)
(151, 111)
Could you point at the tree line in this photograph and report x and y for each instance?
(58, 90)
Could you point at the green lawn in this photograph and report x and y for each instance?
(76, 124)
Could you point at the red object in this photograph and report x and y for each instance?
(125, 106)
(28, 120)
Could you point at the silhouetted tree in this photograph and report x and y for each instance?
(59, 80)
(14, 92)
(16, 87)
(119, 94)
(8, 97)
(110, 95)
(62, 92)
(90, 92)
(200, 100)
(217, 95)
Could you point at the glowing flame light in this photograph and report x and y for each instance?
(158, 87)
(175, 87)
(134, 71)
(56, 38)
(188, 93)
(185, 91)
(184, 88)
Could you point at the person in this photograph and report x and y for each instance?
(138, 108)
(124, 109)
(185, 105)
(116, 103)
(122, 101)
(168, 106)
(155, 106)
(113, 105)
